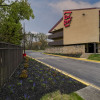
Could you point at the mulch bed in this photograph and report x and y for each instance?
(40, 81)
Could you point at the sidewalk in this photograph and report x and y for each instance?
(89, 93)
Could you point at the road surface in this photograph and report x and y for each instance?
(87, 71)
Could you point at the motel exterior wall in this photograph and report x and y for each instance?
(83, 29)
(75, 49)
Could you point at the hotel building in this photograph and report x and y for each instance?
(77, 32)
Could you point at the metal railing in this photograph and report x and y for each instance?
(56, 35)
(10, 57)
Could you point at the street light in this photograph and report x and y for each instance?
(24, 39)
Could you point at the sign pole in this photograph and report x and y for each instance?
(24, 40)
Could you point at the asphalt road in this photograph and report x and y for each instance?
(87, 71)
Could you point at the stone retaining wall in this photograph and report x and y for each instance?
(75, 49)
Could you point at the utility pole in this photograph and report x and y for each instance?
(24, 37)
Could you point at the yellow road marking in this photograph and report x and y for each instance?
(46, 58)
(74, 58)
(67, 74)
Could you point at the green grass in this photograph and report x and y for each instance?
(94, 57)
(58, 96)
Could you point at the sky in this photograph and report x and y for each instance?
(48, 12)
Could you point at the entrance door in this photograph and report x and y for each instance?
(91, 48)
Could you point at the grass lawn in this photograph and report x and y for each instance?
(94, 57)
(58, 96)
(35, 81)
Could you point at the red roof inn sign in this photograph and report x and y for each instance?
(67, 18)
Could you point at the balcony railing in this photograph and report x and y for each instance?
(56, 35)
(56, 43)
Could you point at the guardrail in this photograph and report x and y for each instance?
(10, 57)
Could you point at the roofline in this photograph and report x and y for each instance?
(71, 10)
(82, 9)
(55, 25)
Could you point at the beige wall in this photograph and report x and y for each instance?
(83, 29)
(75, 49)
(59, 26)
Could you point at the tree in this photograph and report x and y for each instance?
(43, 39)
(10, 25)
(1, 1)
(29, 40)
(36, 41)
(37, 45)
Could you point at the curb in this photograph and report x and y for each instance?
(74, 58)
(67, 74)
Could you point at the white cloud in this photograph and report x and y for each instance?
(33, 32)
(48, 34)
(72, 4)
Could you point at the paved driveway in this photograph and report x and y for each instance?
(87, 71)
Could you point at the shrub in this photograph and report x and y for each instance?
(24, 74)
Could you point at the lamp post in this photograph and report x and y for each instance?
(24, 39)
